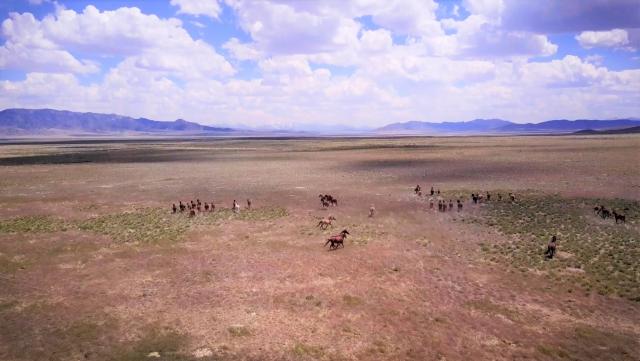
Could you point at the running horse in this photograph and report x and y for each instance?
(337, 240)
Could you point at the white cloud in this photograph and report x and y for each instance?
(594, 59)
(408, 17)
(309, 62)
(283, 29)
(490, 9)
(616, 38)
(147, 42)
(376, 40)
(242, 51)
(477, 36)
(27, 47)
(210, 8)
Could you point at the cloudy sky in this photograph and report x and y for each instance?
(294, 64)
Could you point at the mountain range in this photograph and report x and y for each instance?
(631, 130)
(499, 126)
(49, 122)
(53, 122)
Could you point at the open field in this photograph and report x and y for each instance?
(93, 265)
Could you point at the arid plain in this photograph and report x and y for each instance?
(94, 265)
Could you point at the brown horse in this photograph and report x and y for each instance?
(326, 222)
(337, 240)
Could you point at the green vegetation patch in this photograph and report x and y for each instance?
(156, 225)
(148, 225)
(593, 253)
(255, 214)
(32, 224)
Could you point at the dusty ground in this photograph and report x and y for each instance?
(93, 265)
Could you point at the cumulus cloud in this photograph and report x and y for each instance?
(408, 17)
(480, 36)
(210, 8)
(616, 38)
(147, 42)
(27, 47)
(306, 62)
(283, 29)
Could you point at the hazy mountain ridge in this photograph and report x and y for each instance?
(48, 122)
(499, 126)
(469, 126)
(631, 130)
(44, 121)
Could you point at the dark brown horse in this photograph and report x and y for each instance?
(327, 200)
(551, 248)
(619, 217)
(337, 240)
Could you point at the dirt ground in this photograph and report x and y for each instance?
(93, 265)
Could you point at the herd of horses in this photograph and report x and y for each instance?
(195, 207)
(327, 200)
(337, 241)
(604, 213)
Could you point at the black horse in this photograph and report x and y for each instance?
(619, 217)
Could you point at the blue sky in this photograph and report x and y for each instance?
(301, 65)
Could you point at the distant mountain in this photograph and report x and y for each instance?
(631, 130)
(473, 126)
(498, 126)
(569, 126)
(53, 122)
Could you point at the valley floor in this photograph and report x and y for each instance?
(94, 266)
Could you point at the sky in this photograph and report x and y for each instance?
(303, 64)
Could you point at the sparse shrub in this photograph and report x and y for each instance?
(606, 252)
